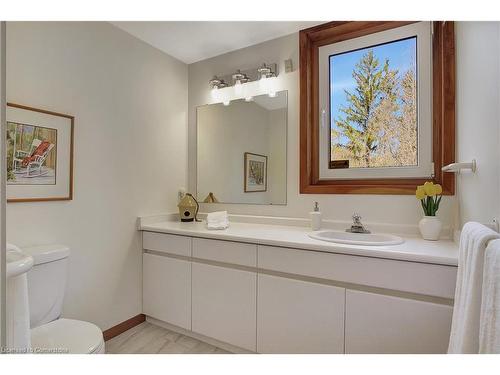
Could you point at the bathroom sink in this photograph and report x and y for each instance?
(17, 261)
(366, 239)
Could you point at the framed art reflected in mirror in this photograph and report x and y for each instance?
(255, 173)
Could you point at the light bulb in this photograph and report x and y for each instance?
(272, 94)
(249, 99)
(214, 93)
(238, 89)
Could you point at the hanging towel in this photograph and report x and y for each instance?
(489, 332)
(464, 336)
(217, 220)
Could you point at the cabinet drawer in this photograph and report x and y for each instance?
(225, 251)
(167, 243)
(421, 278)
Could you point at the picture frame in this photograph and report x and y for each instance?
(255, 173)
(39, 146)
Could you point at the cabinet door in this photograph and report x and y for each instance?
(299, 317)
(224, 304)
(167, 289)
(385, 324)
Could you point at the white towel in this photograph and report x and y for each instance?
(464, 336)
(489, 332)
(217, 220)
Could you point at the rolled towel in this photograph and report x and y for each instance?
(217, 220)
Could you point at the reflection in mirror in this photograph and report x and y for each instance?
(241, 153)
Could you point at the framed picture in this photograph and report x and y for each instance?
(39, 146)
(255, 173)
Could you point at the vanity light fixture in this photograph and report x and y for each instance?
(261, 80)
(265, 71)
(238, 79)
(217, 83)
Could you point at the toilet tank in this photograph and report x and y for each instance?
(47, 282)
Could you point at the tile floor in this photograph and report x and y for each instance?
(147, 338)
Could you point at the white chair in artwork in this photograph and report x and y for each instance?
(19, 155)
(31, 164)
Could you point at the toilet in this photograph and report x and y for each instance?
(46, 286)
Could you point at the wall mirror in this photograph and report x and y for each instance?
(241, 151)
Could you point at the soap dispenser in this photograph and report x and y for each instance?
(315, 217)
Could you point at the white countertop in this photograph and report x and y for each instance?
(414, 249)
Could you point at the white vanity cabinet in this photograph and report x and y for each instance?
(167, 280)
(273, 299)
(295, 316)
(167, 289)
(379, 324)
(224, 304)
(224, 298)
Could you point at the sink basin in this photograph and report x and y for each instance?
(17, 262)
(366, 239)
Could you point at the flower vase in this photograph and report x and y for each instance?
(430, 228)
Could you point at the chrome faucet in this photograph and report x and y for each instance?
(357, 226)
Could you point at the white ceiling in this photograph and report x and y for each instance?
(191, 41)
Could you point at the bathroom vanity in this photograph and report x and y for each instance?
(273, 289)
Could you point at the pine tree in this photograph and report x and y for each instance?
(375, 85)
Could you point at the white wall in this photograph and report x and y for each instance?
(478, 118)
(394, 209)
(129, 101)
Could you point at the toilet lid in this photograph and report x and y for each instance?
(67, 336)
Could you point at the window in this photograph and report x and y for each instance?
(374, 106)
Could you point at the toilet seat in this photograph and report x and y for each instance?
(67, 336)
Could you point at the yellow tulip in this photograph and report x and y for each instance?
(420, 193)
(438, 189)
(429, 189)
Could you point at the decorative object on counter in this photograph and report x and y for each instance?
(210, 198)
(315, 217)
(255, 173)
(429, 195)
(217, 220)
(39, 146)
(188, 208)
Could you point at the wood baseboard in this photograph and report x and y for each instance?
(123, 326)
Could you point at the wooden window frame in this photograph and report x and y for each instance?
(443, 109)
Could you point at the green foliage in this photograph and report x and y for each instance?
(430, 205)
(379, 120)
(375, 83)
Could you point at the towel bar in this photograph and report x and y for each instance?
(457, 167)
